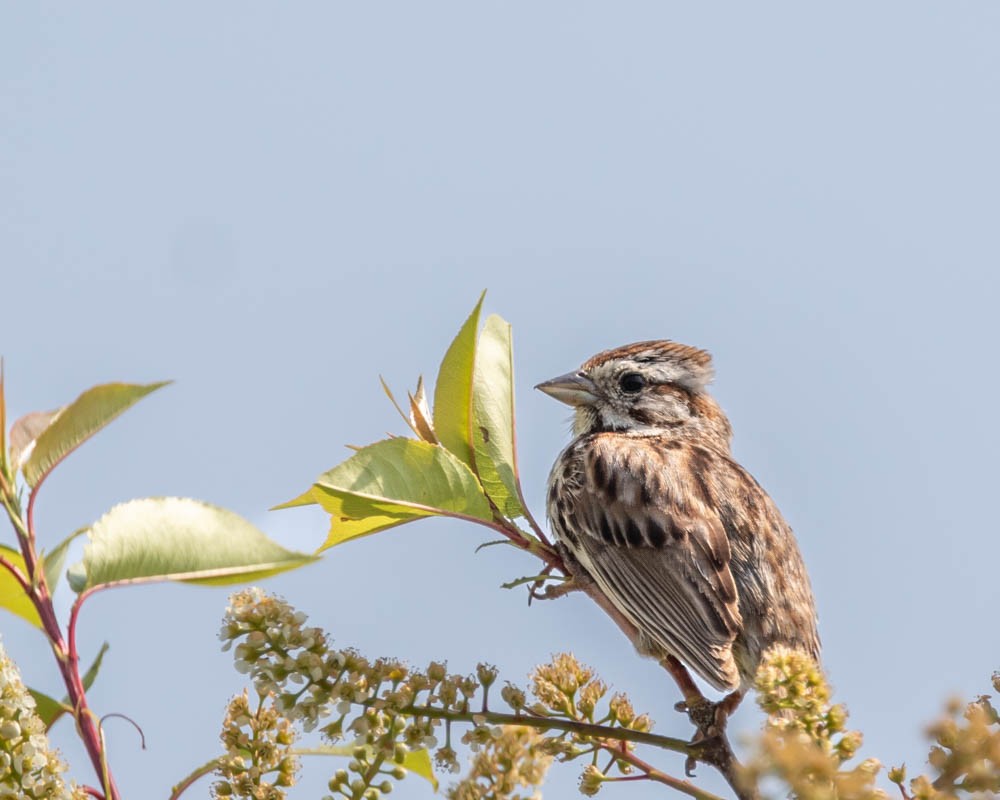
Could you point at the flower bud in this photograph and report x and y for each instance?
(513, 697)
(591, 780)
(487, 674)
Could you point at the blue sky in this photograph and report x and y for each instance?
(272, 205)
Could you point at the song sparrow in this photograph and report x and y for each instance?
(649, 502)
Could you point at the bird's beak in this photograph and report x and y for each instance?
(573, 389)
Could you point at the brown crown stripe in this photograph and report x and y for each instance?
(653, 350)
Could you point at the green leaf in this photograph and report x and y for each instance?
(91, 674)
(12, 595)
(304, 499)
(52, 563)
(395, 481)
(77, 422)
(493, 416)
(419, 763)
(178, 539)
(453, 390)
(49, 709)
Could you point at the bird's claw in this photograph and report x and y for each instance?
(709, 720)
(689, 764)
(541, 591)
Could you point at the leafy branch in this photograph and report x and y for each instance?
(396, 712)
(385, 717)
(393, 715)
(462, 463)
(137, 542)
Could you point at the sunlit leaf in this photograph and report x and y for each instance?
(453, 390)
(52, 563)
(48, 708)
(394, 481)
(419, 763)
(304, 499)
(77, 422)
(172, 538)
(352, 516)
(493, 416)
(12, 595)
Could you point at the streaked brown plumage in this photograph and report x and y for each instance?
(685, 543)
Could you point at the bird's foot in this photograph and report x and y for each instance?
(550, 591)
(710, 721)
(708, 717)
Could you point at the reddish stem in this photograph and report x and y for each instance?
(19, 576)
(74, 614)
(651, 773)
(67, 657)
(30, 561)
(89, 730)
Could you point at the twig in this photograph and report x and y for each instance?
(548, 723)
(654, 774)
(67, 657)
(196, 775)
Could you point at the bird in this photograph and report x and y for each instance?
(648, 502)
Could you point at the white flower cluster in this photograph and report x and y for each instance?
(28, 768)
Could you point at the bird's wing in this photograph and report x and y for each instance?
(657, 549)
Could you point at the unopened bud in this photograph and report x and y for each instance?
(513, 697)
(591, 780)
(487, 674)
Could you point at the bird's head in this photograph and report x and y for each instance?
(646, 387)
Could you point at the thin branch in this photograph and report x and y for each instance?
(30, 516)
(74, 615)
(67, 658)
(654, 774)
(548, 723)
(205, 769)
(373, 770)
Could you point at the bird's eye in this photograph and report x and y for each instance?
(631, 382)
